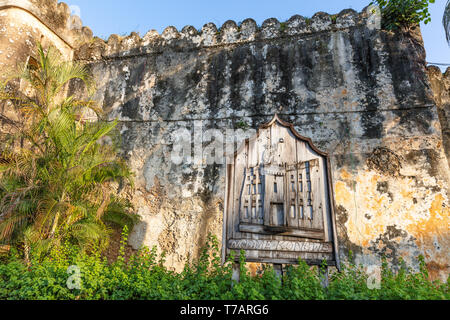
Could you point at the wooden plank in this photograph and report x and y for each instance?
(289, 158)
(232, 214)
(288, 257)
(302, 155)
(282, 245)
(311, 262)
(269, 188)
(236, 273)
(325, 198)
(269, 182)
(277, 148)
(245, 198)
(240, 170)
(231, 202)
(252, 153)
(227, 210)
(292, 185)
(323, 276)
(303, 221)
(317, 222)
(263, 148)
(295, 221)
(278, 208)
(280, 198)
(278, 268)
(252, 162)
(332, 214)
(261, 196)
(252, 182)
(282, 231)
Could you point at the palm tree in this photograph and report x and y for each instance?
(446, 21)
(54, 185)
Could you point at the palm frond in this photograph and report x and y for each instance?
(118, 213)
(54, 183)
(47, 211)
(89, 232)
(68, 71)
(10, 224)
(102, 129)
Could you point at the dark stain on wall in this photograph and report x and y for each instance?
(383, 187)
(387, 245)
(384, 161)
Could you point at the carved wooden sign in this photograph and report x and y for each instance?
(279, 202)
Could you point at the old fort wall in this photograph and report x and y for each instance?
(363, 95)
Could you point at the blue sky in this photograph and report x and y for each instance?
(106, 17)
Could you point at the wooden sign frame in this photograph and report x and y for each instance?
(279, 204)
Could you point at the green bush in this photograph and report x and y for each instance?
(403, 13)
(144, 276)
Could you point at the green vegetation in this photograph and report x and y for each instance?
(145, 277)
(333, 18)
(56, 166)
(242, 124)
(403, 13)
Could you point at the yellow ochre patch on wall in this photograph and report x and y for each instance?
(421, 216)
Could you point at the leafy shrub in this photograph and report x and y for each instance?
(403, 13)
(144, 276)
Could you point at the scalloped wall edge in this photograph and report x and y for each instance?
(229, 33)
(80, 38)
(436, 72)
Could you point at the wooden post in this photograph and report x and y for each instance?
(278, 268)
(236, 272)
(323, 276)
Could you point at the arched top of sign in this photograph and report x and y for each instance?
(290, 126)
(277, 120)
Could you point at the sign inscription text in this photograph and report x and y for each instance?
(272, 245)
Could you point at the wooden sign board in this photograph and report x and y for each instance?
(278, 201)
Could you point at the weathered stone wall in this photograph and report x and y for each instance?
(362, 95)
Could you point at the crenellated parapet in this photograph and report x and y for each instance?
(55, 16)
(210, 35)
